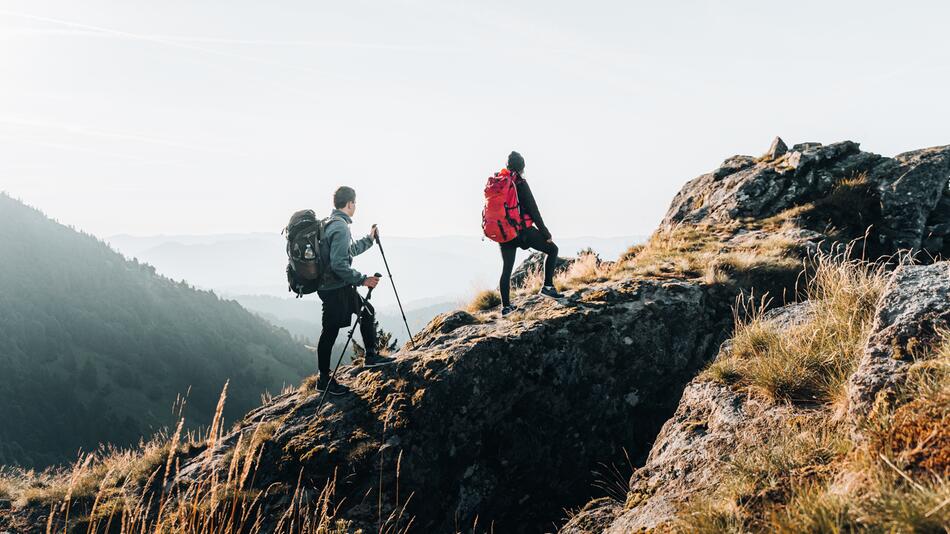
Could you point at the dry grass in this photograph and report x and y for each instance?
(807, 475)
(809, 361)
(793, 457)
(136, 490)
(585, 270)
(13, 482)
(711, 253)
(484, 301)
(533, 281)
(680, 252)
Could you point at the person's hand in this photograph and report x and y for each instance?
(373, 233)
(371, 281)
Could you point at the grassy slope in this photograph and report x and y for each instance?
(811, 476)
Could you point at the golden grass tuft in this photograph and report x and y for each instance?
(681, 251)
(712, 254)
(308, 385)
(484, 301)
(585, 270)
(809, 361)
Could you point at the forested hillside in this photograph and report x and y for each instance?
(96, 348)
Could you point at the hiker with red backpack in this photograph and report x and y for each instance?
(511, 217)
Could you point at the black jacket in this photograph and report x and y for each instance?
(529, 206)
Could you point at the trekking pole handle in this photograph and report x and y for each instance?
(370, 292)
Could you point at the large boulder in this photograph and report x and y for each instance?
(744, 186)
(911, 186)
(907, 195)
(912, 313)
(497, 420)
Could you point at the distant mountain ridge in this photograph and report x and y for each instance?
(437, 269)
(95, 348)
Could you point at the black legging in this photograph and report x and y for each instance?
(530, 238)
(339, 306)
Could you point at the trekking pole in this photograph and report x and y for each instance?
(349, 338)
(412, 342)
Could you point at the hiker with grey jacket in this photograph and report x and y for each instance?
(337, 288)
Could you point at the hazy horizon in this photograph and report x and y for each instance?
(143, 118)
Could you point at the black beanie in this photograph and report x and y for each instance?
(515, 162)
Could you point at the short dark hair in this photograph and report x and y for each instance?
(343, 196)
(515, 162)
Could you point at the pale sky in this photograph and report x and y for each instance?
(197, 117)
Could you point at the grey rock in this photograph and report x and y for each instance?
(913, 309)
(801, 147)
(777, 149)
(733, 165)
(759, 190)
(910, 187)
(711, 425)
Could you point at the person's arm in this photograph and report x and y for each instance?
(530, 206)
(339, 236)
(360, 246)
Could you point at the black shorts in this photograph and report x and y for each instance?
(339, 305)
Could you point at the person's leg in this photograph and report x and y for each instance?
(550, 263)
(535, 240)
(368, 328)
(324, 349)
(507, 264)
(331, 320)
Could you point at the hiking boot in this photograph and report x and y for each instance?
(505, 310)
(375, 360)
(549, 291)
(330, 385)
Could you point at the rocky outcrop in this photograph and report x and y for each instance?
(499, 420)
(712, 423)
(909, 191)
(744, 186)
(911, 186)
(910, 317)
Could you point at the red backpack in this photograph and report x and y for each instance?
(502, 219)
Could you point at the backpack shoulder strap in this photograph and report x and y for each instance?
(332, 219)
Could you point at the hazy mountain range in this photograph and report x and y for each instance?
(432, 275)
(96, 348)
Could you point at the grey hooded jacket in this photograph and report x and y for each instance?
(338, 249)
